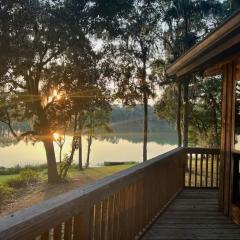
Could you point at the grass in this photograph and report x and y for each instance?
(40, 191)
(90, 173)
(98, 172)
(17, 169)
(5, 178)
(26, 177)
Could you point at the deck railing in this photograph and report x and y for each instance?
(121, 206)
(202, 168)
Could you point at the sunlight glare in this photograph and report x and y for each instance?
(56, 136)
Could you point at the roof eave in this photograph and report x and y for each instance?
(226, 36)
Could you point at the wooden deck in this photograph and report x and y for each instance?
(193, 215)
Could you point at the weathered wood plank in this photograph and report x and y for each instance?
(193, 218)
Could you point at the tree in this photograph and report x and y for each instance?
(40, 43)
(186, 24)
(88, 20)
(205, 110)
(134, 51)
(37, 36)
(97, 118)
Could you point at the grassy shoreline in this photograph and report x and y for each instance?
(36, 192)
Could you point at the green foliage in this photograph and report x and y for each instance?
(5, 192)
(166, 107)
(48, 68)
(17, 169)
(25, 178)
(204, 110)
(54, 77)
(187, 22)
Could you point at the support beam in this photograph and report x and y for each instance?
(227, 139)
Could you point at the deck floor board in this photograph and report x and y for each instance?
(193, 215)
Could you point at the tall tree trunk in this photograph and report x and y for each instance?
(145, 105)
(88, 150)
(179, 131)
(53, 176)
(145, 139)
(80, 159)
(60, 155)
(185, 112)
(80, 163)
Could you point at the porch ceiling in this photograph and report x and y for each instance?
(218, 46)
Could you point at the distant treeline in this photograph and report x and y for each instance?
(123, 118)
(125, 123)
(17, 126)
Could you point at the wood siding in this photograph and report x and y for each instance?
(227, 136)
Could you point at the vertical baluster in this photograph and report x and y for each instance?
(134, 209)
(110, 217)
(217, 170)
(91, 221)
(116, 216)
(201, 171)
(196, 171)
(190, 171)
(131, 211)
(141, 207)
(85, 220)
(45, 236)
(146, 201)
(68, 227)
(58, 232)
(207, 170)
(98, 221)
(122, 216)
(212, 166)
(138, 211)
(104, 225)
(76, 227)
(151, 212)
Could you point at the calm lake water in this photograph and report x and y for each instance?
(108, 148)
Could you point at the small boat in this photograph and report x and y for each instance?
(117, 163)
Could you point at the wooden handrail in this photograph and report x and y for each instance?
(199, 150)
(120, 206)
(202, 168)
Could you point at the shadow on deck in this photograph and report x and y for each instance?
(193, 215)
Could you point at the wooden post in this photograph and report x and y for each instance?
(227, 138)
(185, 112)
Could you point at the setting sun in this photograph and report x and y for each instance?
(56, 94)
(56, 136)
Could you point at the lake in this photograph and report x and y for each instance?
(121, 147)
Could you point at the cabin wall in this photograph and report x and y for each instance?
(230, 75)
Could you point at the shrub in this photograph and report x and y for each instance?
(16, 182)
(25, 178)
(10, 171)
(5, 192)
(17, 169)
(30, 176)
